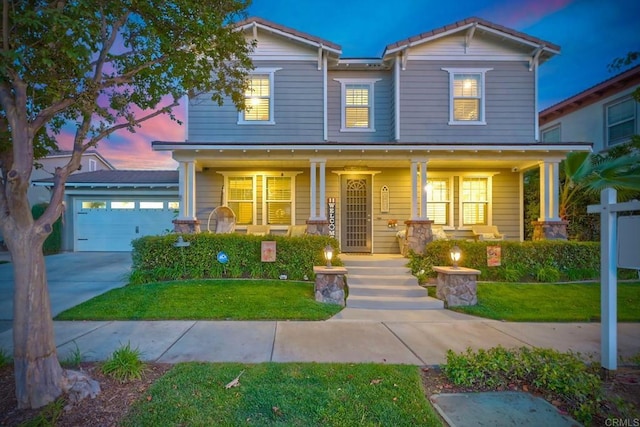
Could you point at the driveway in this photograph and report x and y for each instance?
(73, 277)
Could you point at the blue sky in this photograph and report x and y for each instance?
(591, 33)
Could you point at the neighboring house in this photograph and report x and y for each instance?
(605, 114)
(107, 209)
(91, 161)
(436, 131)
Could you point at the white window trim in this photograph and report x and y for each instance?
(372, 115)
(272, 102)
(461, 178)
(483, 94)
(93, 165)
(290, 174)
(606, 120)
(451, 201)
(225, 197)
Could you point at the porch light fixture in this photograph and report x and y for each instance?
(455, 254)
(328, 254)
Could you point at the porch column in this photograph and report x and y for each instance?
(323, 190)
(414, 190)
(187, 221)
(423, 190)
(418, 229)
(312, 195)
(550, 226)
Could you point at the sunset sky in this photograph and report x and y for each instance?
(591, 33)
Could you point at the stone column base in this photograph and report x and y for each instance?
(329, 286)
(418, 234)
(457, 286)
(550, 230)
(186, 226)
(318, 227)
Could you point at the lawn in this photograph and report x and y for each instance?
(572, 302)
(292, 394)
(206, 299)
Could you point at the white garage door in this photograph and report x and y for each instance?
(111, 225)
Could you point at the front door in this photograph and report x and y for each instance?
(355, 219)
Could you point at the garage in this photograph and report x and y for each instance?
(111, 225)
(107, 209)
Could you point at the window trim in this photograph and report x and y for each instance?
(613, 103)
(482, 118)
(225, 196)
(461, 178)
(271, 73)
(550, 129)
(344, 82)
(451, 200)
(265, 218)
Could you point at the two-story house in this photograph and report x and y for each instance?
(436, 131)
(605, 114)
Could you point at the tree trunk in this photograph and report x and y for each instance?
(38, 374)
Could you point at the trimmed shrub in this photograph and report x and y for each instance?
(53, 244)
(155, 258)
(540, 261)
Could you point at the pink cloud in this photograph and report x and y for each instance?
(523, 13)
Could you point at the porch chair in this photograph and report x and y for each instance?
(296, 230)
(222, 219)
(486, 233)
(259, 230)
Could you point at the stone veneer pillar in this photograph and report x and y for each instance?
(457, 286)
(318, 227)
(418, 234)
(550, 230)
(329, 285)
(186, 226)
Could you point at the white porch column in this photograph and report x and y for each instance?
(423, 190)
(414, 189)
(187, 186)
(312, 189)
(549, 191)
(323, 190)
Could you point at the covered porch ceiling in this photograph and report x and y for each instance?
(439, 156)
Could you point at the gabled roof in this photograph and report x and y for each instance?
(602, 90)
(110, 178)
(471, 23)
(68, 153)
(288, 32)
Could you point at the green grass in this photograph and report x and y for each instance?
(572, 302)
(291, 394)
(206, 299)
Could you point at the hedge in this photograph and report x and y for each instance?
(540, 261)
(53, 243)
(156, 258)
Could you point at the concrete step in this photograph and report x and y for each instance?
(377, 271)
(382, 281)
(394, 303)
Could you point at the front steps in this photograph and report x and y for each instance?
(381, 287)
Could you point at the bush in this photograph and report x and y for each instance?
(546, 370)
(540, 261)
(155, 258)
(53, 244)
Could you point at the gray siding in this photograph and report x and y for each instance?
(382, 107)
(509, 103)
(298, 110)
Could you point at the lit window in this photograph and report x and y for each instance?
(438, 200)
(123, 205)
(151, 205)
(474, 199)
(241, 198)
(621, 121)
(467, 95)
(174, 206)
(94, 204)
(258, 97)
(357, 105)
(551, 135)
(278, 199)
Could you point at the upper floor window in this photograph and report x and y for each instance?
(551, 134)
(93, 165)
(474, 200)
(467, 95)
(258, 97)
(621, 121)
(439, 200)
(357, 103)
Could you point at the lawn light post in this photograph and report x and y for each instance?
(328, 255)
(182, 244)
(455, 254)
